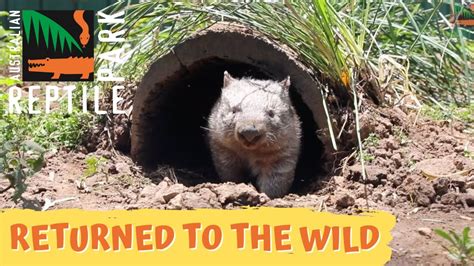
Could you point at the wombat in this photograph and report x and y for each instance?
(254, 134)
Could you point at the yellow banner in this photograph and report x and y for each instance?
(208, 237)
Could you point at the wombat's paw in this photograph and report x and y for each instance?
(274, 187)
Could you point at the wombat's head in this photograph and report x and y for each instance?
(254, 113)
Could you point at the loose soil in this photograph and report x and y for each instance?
(420, 170)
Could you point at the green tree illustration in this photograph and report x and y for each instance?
(466, 13)
(48, 26)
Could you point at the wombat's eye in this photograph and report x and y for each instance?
(236, 109)
(271, 113)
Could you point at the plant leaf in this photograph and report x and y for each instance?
(445, 235)
(456, 238)
(465, 235)
(37, 164)
(33, 146)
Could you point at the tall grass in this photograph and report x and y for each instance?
(394, 48)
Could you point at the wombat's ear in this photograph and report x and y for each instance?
(286, 83)
(227, 79)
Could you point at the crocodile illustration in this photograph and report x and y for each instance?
(57, 66)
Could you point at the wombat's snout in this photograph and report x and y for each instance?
(250, 134)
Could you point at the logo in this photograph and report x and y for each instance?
(462, 14)
(58, 45)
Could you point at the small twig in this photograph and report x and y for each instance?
(432, 220)
(345, 162)
(328, 119)
(48, 203)
(359, 140)
(464, 203)
(346, 117)
(416, 117)
(7, 188)
(173, 176)
(432, 176)
(321, 205)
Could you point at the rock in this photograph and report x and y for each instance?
(381, 153)
(459, 148)
(362, 203)
(424, 231)
(104, 153)
(377, 197)
(441, 185)
(362, 191)
(175, 203)
(396, 179)
(210, 197)
(450, 198)
(389, 143)
(355, 172)
(192, 201)
(436, 166)
(423, 200)
(159, 190)
(148, 191)
(470, 191)
(162, 186)
(419, 190)
(158, 198)
(374, 173)
(168, 181)
(113, 169)
(82, 150)
(415, 156)
(80, 156)
(437, 206)
(381, 162)
(151, 195)
(278, 203)
(447, 139)
(344, 200)
(459, 182)
(470, 185)
(242, 194)
(123, 169)
(469, 197)
(397, 160)
(172, 191)
(132, 207)
(340, 180)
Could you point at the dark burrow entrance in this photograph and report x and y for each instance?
(176, 119)
(177, 94)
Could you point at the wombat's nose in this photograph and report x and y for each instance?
(250, 133)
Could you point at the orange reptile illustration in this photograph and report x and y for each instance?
(68, 65)
(58, 66)
(79, 19)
